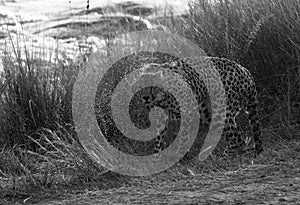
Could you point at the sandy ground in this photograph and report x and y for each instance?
(52, 8)
(271, 183)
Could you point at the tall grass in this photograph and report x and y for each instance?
(37, 133)
(261, 35)
(38, 96)
(38, 140)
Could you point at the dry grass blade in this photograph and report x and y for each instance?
(6, 82)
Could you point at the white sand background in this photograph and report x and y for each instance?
(52, 8)
(47, 10)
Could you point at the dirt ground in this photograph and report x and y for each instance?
(274, 183)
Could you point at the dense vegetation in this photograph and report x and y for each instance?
(37, 134)
(264, 37)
